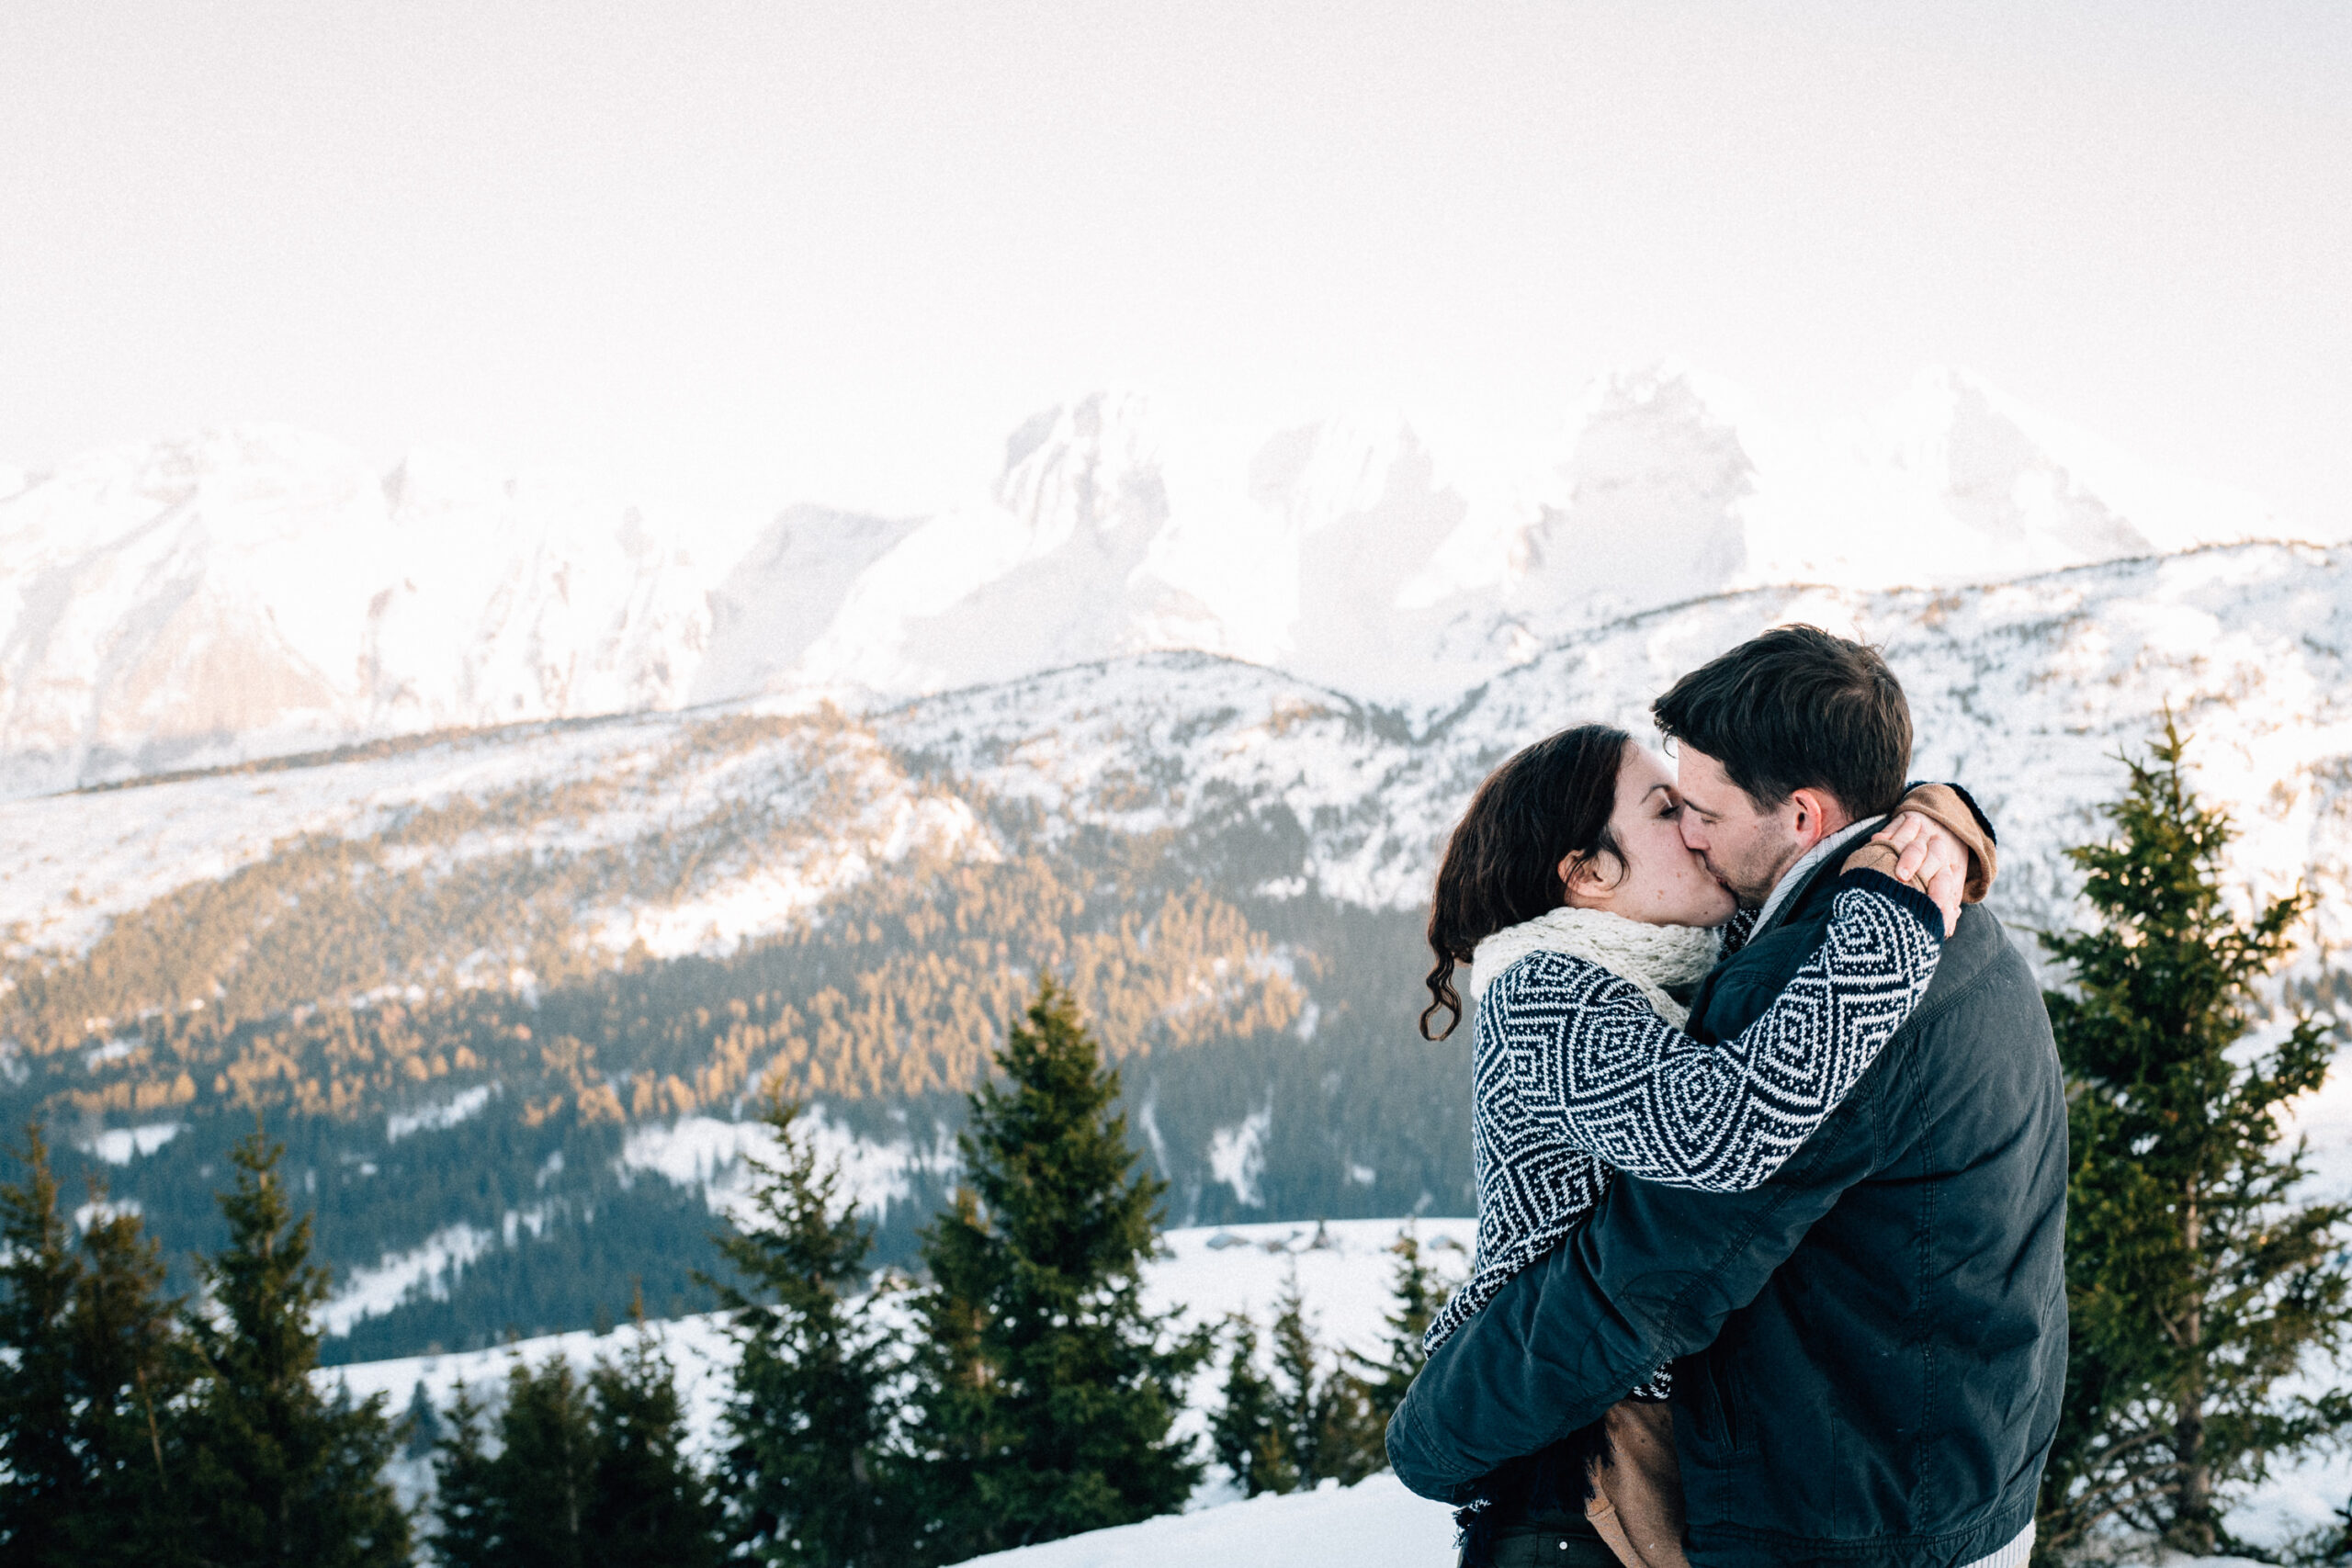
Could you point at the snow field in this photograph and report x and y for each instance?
(1376, 1524)
(1207, 1273)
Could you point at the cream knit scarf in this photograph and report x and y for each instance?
(1652, 957)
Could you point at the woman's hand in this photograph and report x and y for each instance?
(1930, 858)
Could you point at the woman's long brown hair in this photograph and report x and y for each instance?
(1549, 803)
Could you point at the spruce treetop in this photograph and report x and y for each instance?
(1051, 1162)
(264, 1279)
(2167, 985)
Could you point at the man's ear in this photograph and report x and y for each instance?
(1814, 815)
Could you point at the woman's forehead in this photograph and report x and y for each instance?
(1645, 770)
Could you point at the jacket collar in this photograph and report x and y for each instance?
(1797, 877)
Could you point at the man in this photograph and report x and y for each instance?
(1869, 1349)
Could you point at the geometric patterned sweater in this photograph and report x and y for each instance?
(1576, 1075)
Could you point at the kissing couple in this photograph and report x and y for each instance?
(1770, 1137)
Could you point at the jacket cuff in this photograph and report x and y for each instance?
(1926, 910)
(1409, 1445)
(1982, 821)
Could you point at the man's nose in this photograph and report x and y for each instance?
(1692, 837)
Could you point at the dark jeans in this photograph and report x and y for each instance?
(1534, 1511)
(1526, 1546)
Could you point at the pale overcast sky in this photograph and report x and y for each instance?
(761, 252)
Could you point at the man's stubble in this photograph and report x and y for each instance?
(1751, 882)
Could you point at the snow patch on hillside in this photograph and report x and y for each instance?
(441, 1117)
(1238, 1156)
(769, 894)
(403, 1275)
(90, 1213)
(800, 814)
(713, 1156)
(119, 1146)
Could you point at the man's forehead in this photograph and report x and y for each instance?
(1692, 763)
(1702, 779)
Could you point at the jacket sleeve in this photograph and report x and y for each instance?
(1650, 1277)
(1613, 1077)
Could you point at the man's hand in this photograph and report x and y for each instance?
(1930, 858)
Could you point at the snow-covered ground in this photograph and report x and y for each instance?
(1377, 1524)
(1343, 1270)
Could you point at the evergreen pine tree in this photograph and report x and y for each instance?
(421, 1428)
(465, 1491)
(541, 1500)
(544, 1478)
(650, 1502)
(1418, 1291)
(87, 1414)
(2194, 1283)
(1049, 1392)
(280, 1473)
(1299, 1403)
(1323, 1414)
(42, 1488)
(133, 1363)
(1244, 1432)
(959, 1426)
(811, 1477)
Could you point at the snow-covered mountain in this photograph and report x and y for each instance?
(257, 592)
(2028, 691)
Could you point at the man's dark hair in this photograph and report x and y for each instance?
(1795, 709)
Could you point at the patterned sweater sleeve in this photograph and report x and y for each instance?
(1591, 1058)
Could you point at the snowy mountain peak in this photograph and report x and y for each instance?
(258, 589)
(1087, 470)
(2005, 487)
(1656, 483)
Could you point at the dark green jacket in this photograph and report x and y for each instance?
(1871, 1344)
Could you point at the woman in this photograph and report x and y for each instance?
(1570, 891)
